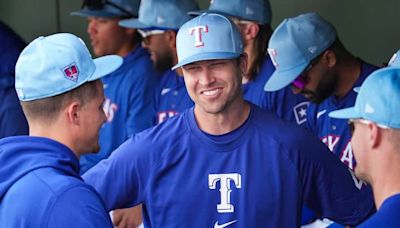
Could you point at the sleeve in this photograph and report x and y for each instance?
(141, 103)
(329, 187)
(121, 179)
(79, 206)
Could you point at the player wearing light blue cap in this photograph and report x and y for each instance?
(310, 57)
(129, 90)
(253, 18)
(375, 123)
(58, 84)
(225, 162)
(158, 23)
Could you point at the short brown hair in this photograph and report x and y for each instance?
(260, 48)
(48, 108)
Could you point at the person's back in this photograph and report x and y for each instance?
(128, 90)
(40, 184)
(12, 119)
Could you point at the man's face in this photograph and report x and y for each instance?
(106, 36)
(157, 44)
(214, 85)
(359, 148)
(319, 82)
(93, 117)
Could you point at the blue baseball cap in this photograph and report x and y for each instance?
(108, 8)
(56, 64)
(395, 60)
(207, 37)
(295, 42)
(378, 99)
(161, 14)
(252, 10)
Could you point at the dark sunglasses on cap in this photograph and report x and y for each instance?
(100, 4)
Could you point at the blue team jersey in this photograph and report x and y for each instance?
(334, 132)
(40, 186)
(258, 175)
(129, 104)
(171, 97)
(12, 119)
(284, 103)
(388, 214)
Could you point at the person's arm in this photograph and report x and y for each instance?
(78, 206)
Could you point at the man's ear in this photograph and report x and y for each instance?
(250, 31)
(73, 112)
(243, 63)
(329, 57)
(375, 135)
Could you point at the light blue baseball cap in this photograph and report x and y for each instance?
(378, 99)
(395, 60)
(161, 14)
(208, 37)
(252, 10)
(56, 64)
(108, 8)
(295, 42)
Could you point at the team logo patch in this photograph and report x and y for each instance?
(71, 72)
(197, 32)
(300, 112)
(272, 54)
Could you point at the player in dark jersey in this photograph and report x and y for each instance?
(226, 161)
(158, 23)
(129, 90)
(316, 64)
(375, 124)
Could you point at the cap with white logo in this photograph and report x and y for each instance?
(294, 43)
(395, 60)
(378, 99)
(207, 37)
(56, 64)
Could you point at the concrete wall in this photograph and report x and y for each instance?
(368, 28)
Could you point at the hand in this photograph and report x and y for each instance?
(127, 217)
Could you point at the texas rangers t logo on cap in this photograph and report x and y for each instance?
(197, 34)
(71, 72)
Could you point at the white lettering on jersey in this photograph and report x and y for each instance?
(225, 189)
(358, 183)
(272, 54)
(109, 109)
(196, 31)
(331, 141)
(347, 156)
(162, 116)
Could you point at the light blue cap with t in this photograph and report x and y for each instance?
(395, 60)
(208, 37)
(378, 99)
(108, 8)
(161, 14)
(252, 10)
(56, 64)
(294, 44)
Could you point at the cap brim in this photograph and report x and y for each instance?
(106, 65)
(281, 79)
(199, 12)
(207, 56)
(94, 13)
(133, 23)
(346, 113)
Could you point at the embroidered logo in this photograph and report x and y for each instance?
(71, 72)
(197, 32)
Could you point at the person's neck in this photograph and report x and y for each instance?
(386, 182)
(54, 133)
(226, 121)
(349, 70)
(126, 49)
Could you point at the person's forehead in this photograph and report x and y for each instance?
(207, 62)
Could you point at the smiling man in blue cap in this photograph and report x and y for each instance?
(375, 124)
(57, 82)
(225, 162)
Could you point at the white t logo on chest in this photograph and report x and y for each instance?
(225, 189)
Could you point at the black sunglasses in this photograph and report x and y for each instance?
(99, 5)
